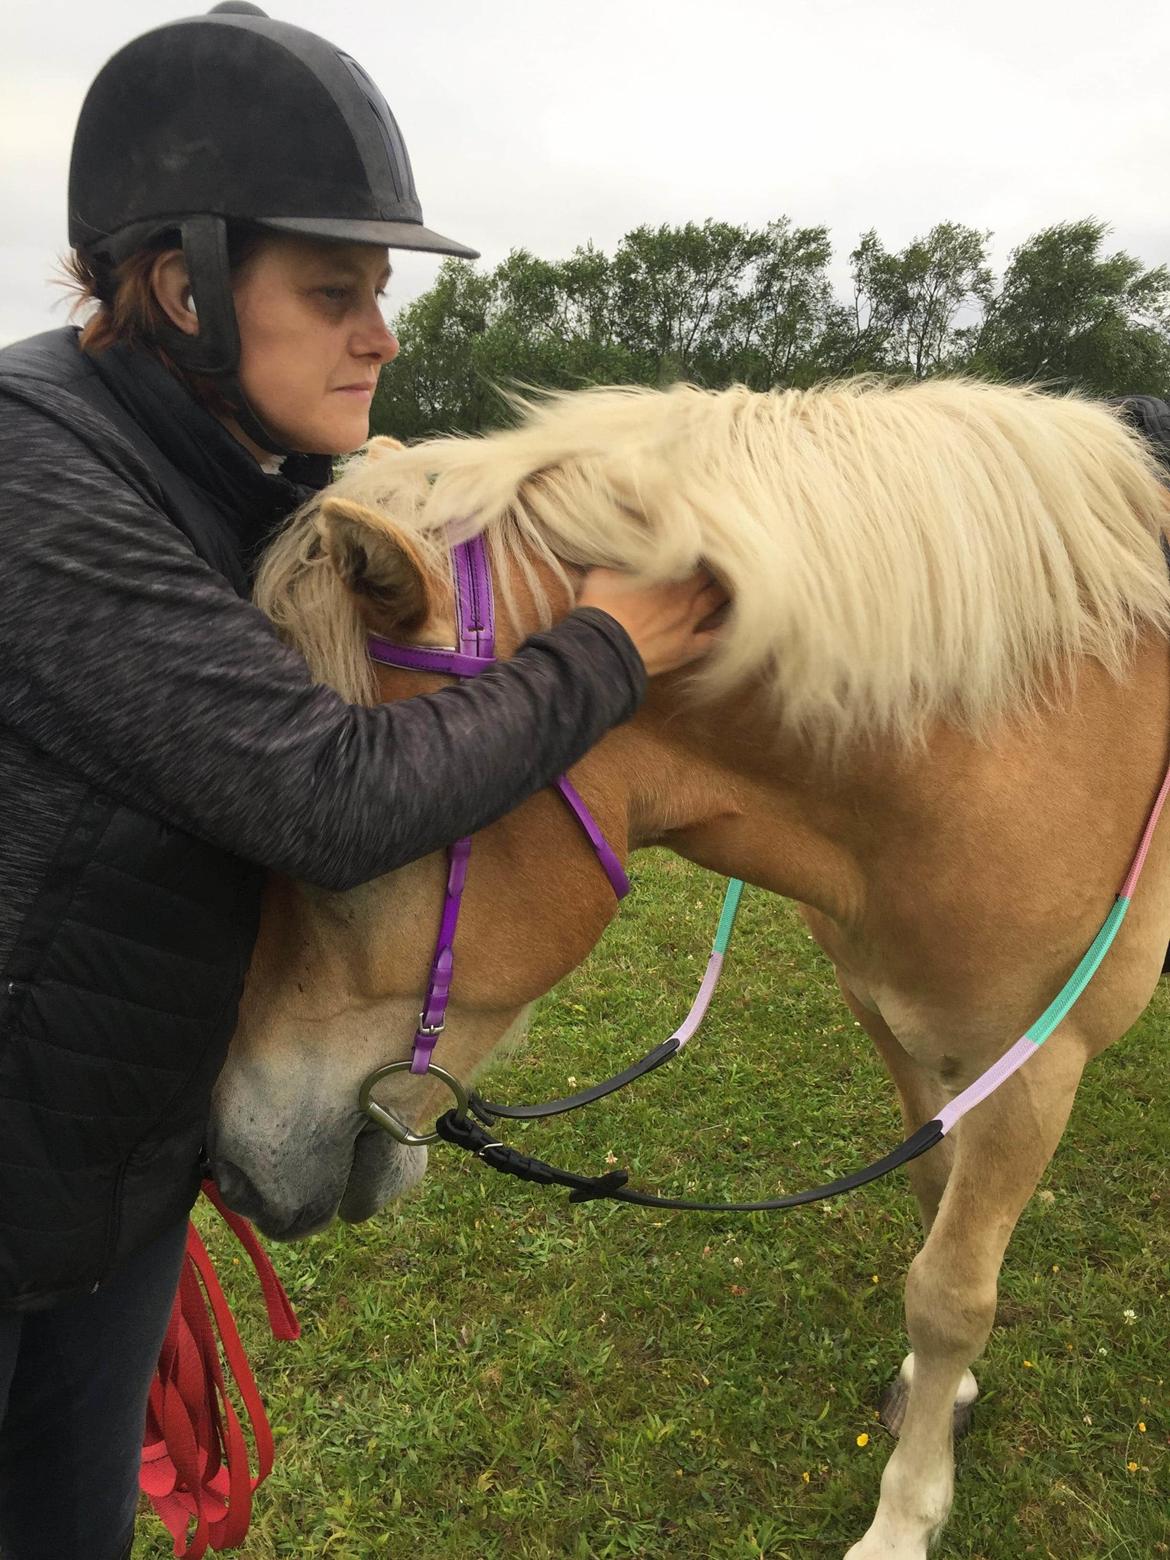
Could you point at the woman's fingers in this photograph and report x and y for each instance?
(671, 623)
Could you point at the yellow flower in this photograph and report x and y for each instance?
(863, 1439)
(1142, 1426)
(1132, 1466)
(804, 1477)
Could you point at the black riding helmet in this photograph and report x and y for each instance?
(235, 118)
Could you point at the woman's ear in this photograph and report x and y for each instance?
(377, 563)
(172, 287)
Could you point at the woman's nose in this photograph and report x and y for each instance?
(375, 340)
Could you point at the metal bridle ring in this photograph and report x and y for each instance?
(381, 1117)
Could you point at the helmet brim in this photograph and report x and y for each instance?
(391, 235)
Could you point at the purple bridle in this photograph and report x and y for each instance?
(475, 653)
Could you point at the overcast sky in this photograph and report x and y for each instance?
(546, 123)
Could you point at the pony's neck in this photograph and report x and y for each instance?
(707, 784)
(890, 844)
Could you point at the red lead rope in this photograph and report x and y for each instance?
(194, 1453)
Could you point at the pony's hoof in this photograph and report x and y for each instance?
(961, 1421)
(892, 1407)
(894, 1400)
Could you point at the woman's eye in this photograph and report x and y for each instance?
(340, 294)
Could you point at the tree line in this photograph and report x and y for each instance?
(717, 304)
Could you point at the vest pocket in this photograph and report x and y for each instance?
(12, 998)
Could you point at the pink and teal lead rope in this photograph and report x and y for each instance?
(1032, 1038)
(1061, 1005)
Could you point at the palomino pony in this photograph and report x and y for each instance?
(937, 719)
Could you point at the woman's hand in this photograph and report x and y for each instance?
(671, 625)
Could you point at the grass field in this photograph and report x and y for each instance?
(487, 1372)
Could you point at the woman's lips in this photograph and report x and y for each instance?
(362, 390)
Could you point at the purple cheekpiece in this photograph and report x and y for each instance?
(476, 627)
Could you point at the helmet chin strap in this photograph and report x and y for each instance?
(215, 351)
(250, 424)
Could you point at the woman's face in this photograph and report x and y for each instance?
(312, 339)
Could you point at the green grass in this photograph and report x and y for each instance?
(487, 1372)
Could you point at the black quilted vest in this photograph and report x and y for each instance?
(120, 999)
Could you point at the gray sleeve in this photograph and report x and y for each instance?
(128, 658)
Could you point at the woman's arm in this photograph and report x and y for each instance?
(129, 659)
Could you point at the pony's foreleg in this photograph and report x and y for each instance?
(1001, 1152)
(920, 1097)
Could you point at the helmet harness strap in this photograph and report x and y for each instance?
(215, 351)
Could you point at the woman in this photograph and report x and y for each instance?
(235, 185)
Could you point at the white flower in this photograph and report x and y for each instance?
(1129, 1317)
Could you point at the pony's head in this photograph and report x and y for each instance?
(334, 987)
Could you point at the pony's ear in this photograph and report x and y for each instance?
(377, 563)
(380, 446)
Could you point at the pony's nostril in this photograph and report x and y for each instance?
(237, 1188)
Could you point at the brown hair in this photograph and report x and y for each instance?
(129, 313)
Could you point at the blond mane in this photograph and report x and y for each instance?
(895, 554)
